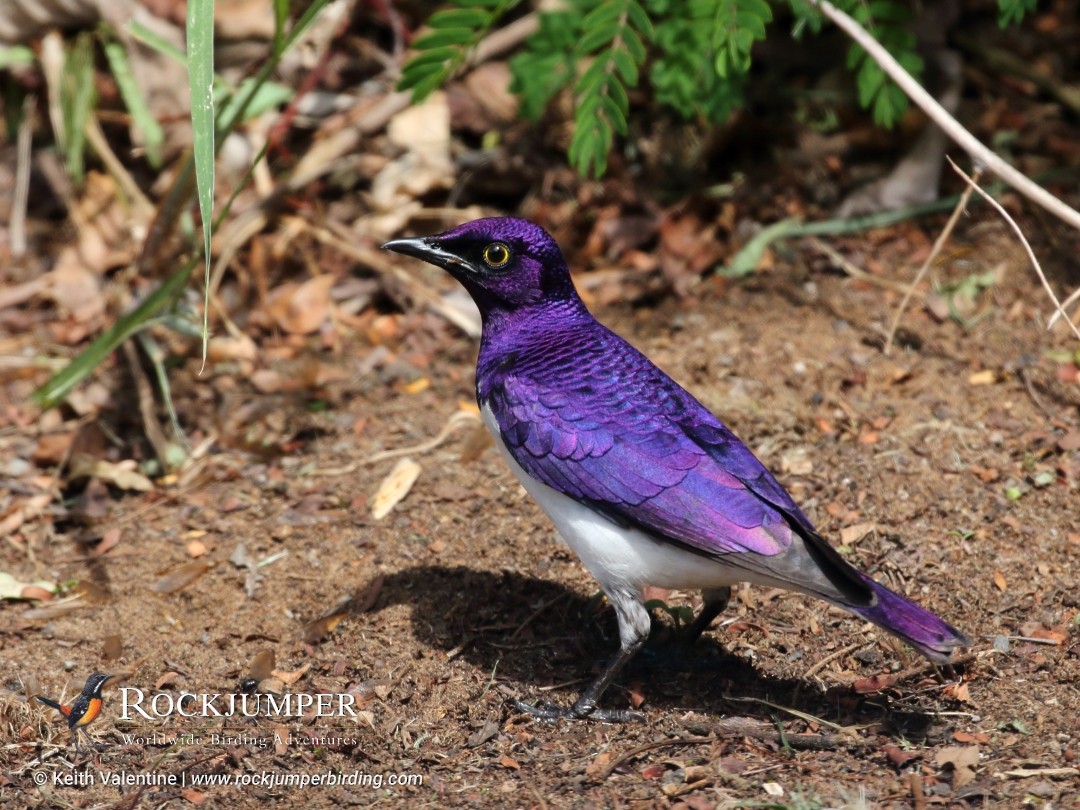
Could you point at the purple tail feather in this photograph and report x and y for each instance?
(932, 636)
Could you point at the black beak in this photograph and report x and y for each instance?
(427, 250)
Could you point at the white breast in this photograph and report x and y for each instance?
(616, 556)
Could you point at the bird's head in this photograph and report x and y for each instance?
(506, 264)
(95, 683)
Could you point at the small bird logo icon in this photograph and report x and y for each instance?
(84, 710)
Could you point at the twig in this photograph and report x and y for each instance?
(536, 613)
(763, 732)
(641, 749)
(918, 797)
(1020, 235)
(1030, 387)
(338, 237)
(23, 141)
(939, 244)
(852, 269)
(940, 116)
(828, 659)
(457, 420)
(1072, 299)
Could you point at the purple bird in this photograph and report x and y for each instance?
(643, 482)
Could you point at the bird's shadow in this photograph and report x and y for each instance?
(536, 633)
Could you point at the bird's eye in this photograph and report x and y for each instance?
(496, 255)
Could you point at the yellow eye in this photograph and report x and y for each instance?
(496, 255)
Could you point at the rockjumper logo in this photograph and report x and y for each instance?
(190, 704)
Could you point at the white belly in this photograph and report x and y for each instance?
(615, 555)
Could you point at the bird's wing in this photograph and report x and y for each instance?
(682, 479)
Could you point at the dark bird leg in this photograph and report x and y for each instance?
(716, 600)
(634, 627)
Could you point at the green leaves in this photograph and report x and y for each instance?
(736, 26)
(614, 33)
(455, 31)
(1011, 12)
(889, 22)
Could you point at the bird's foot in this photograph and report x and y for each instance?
(551, 712)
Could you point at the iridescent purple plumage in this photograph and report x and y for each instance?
(585, 418)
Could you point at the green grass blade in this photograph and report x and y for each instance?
(77, 99)
(153, 134)
(52, 393)
(158, 43)
(200, 45)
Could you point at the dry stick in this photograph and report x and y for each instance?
(1020, 235)
(1072, 299)
(641, 749)
(938, 114)
(828, 659)
(24, 140)
(765, 732)
(939, 245)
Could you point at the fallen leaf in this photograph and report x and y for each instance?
(318, 629)
(54, 610)
(166, 679)
(489, 730)
(300, 309)
(394, 487)
(999, 580)
(109, 540)
(122, 474)
(181, 576)
(958, 692)
(963, 759)
(112, 648)
(289, 678)
(11, 588)
(599, 765)
(262, 665)
(852, 534)
(509, 762)
(968, 737)
(898, 756)
(873, 684)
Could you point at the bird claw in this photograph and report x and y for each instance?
(551, 712)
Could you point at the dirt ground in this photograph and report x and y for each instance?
(949, 469)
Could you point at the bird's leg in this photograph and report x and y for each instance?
(633, 631)
(716, 600)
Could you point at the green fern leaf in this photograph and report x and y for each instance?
(441, 52)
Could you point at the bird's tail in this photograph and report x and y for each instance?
(51, 703)
(926, 632)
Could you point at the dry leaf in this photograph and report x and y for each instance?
(963, 759)
(394, 487)
(999, 580)
(300, 309)
(166, 679)
(262, 665)
(109, 540)
(318, 629)
(54, 610)
(11, 588)
(796, 461)
(112, 648)
(599, 765)
(122, 474)
(852, 534)
(508, 762)
(181, 576)
(290, 678)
